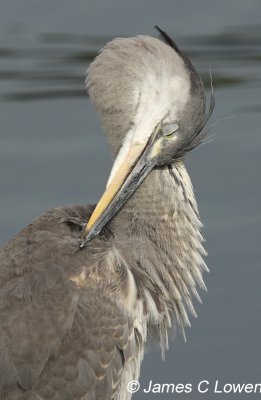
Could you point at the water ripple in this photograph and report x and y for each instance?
(59, 60)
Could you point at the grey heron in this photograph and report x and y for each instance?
(82, 287)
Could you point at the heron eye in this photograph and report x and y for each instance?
(169, 129)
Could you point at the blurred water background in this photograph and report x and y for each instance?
(53, 152)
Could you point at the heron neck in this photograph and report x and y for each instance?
(164, 192)
(158, 235)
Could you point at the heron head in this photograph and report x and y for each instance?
(152, 104)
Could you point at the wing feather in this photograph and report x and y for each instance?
(58, 341)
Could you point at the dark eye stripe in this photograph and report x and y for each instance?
(169, 129)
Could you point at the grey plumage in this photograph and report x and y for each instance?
(74, 321)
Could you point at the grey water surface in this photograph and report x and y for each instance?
(53, 153)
